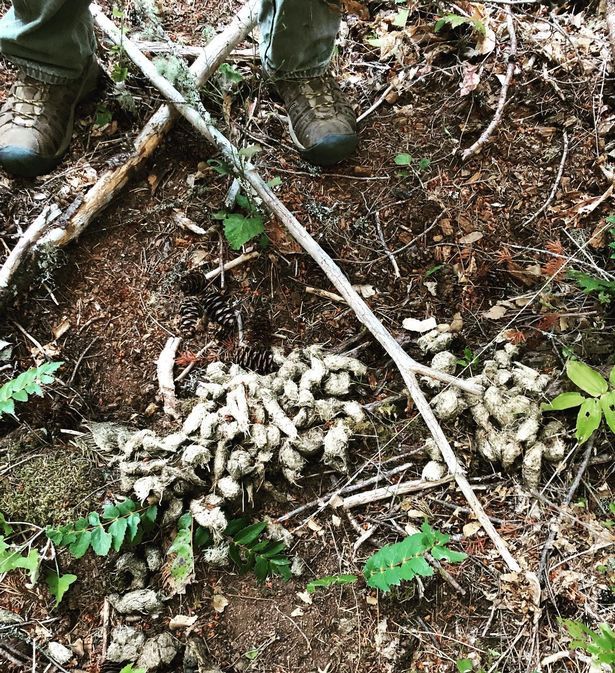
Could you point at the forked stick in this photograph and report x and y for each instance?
(246, 172)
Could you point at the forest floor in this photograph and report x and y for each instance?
(436, 237)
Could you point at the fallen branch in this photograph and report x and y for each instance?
(81, 213)
(166, 382)
(367, 497)
(20, 252)
(242, 259)
(246, 172)
(512, 53)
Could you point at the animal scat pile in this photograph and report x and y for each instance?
(242, 427)
(508, 418)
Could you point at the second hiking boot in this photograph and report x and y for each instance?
(323, 125)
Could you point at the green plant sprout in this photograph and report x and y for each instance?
(601, 400)
(469, 359)
(239, 229)
(26, 384)
(599, 644)
(604, 289)
(408, 160)
(456, 20)
(399, 562)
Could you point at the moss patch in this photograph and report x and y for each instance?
(51, 487)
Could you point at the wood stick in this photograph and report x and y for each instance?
(166, 382)
(510, 70)
(408, 367)
(20, 252)
(385, 492)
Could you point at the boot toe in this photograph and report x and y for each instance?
(331, 149)
(24, 161)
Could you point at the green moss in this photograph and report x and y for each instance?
(51, 487)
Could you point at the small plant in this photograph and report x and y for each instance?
(408, 160)
(405, 560)
(249, 551)
(58, 585)
(402, 561)
(611, 220)
(601, 400)
(329, 581)
(28, 383)
(603, 289)
(599, 644)
(469, 359)
(119, 523)
(129, 669)
(239, 229)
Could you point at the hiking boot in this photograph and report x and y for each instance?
(36, 122)
(322, 123)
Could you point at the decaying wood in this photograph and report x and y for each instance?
(408, 367)
(81, 213)
(166, 382)
(20, 252)
(497, 117)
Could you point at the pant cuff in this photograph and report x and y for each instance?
(307, 73)
(39, 72)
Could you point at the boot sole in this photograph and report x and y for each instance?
(25, 163)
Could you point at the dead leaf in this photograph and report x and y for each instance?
(471, 79)
(365, 291)
(420, 326)
(471, 528)
(61, 329)
(470, 238)
(219, 602)
(297, 612)
(496, 312)
(182, 621)
(305, 597)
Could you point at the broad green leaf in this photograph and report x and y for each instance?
(58, 585)
(588, 419)
(239, 229)
(185, 521)
(453, 20)
(261, 568)
(464, 665)
(403, 159)
(250, 151)
(126, 506)
(282, 570)
(612, 378)
(201, 536)
(274, 550)
(117, 530)
(607, 402)
(7, 407)
(420, 566)
(54, 535)
(586, 378)
(330, 580)
(94, 519)
(20, 396)
(129, 669)
(249, 534)
(101, 541)
(110, 512)
(564, 401)
(81, 544)
(401, 18)
(6, 527)
(148, 518)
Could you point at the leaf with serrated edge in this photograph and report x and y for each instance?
(101, 541)
(586, 378)
(588, 419)
(250, 534)
(117, 530)
(81, 545)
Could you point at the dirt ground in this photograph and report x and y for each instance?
(437, 238)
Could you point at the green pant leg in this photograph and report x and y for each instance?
(51, 40)
(298, 36)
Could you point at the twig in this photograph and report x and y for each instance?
(555, 525)
(246, 172)
(558, 177)
(512, 53)
(391, 491)
(325, 294)
(238, 261)
(17, 256)
(166, 384)
(377, 104)
(388, 253)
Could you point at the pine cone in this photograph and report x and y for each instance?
(217, 310)
(189, 313)
(193, 282)
(259, 360)
(259, 329)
